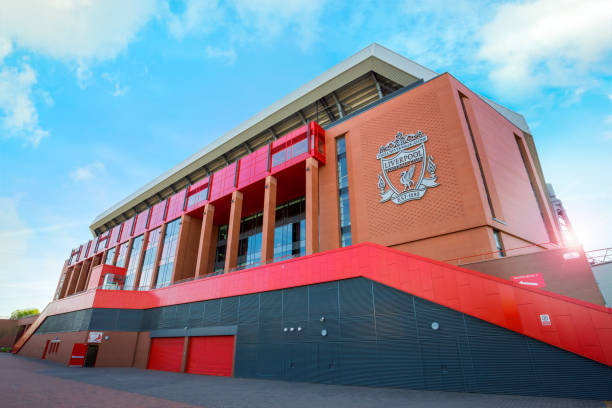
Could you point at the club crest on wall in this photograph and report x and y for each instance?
(405, 163)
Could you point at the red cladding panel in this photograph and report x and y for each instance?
(126, 232)
(92, 247)
(157, 214)
(141, 222)
(166, 353)
(223, 182)
(175, 205)
(253, 167)
(212, 355)
(114, 236)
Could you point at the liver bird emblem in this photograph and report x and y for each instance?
(406, 178)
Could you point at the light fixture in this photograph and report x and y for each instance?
(322, 319)
(299, 328)
(285, 330)
(323, 332)
(435, 326)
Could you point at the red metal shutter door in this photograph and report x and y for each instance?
(77, 357)
(166, 354)
(211, 355)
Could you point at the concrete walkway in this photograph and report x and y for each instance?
(36, 383)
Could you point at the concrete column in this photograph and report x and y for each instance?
(269, 221)
(233, 231)
(145, 241)
(312, 206)
(160, 248)
(206, 235)
(185, 354)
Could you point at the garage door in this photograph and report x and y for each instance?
(211, 355)
(166, 353)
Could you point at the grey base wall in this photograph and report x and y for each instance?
(375, 336)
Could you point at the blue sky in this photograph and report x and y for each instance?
(99, 97)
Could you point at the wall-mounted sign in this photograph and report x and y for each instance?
(534, 280)
(545, 320)
(95, 337)
(404, 163)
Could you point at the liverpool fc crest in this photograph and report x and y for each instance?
(404, 162)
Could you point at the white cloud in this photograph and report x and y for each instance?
(18, 115)
(5, 48)
(608, 119)
(267, 19)
(88, 172)
(118, 90)
(73, 29)
(548, 43)
(192, 16)
(228, 56)
(610, 97)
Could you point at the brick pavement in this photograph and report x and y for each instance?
(35, 383)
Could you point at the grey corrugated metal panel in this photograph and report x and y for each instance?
(358, 362)
(229, 311)
(398, 364)
(295, 303)
(248, 309)
(245, 364)
(271, 306)
(450, 322)
(270, 333)
(589, 378)
(441, 364)
(328, 362)
(395, 326)
(182, 315)
(323, 301)
(248, 333)
(212, 312)
(270, 361)
(168, 333)
(478, 328)
(357, 328)
(356, 297)
(196, 314)
(129, 320)
(229, 330)
(104, 319)
(301, 362)
(391, 301)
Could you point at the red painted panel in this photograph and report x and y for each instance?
(197, 195)
(77, 357)
(114, 236)
(223, 182)
(166, 354)
(211, 355)
(175, 205)
(126, 232)
(157, 214)
(253, 167)
(142, 220)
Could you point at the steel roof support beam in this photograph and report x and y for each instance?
(378, 89)
(328, 110)
(338, 105)
(302, 117)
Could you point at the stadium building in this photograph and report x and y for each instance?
(381, 225)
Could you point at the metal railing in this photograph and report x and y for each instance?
(599, 256)
(487, 256)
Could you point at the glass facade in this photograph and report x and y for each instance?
(149, 259)
(198, 197)
(130, 275)
(290, 230)
(110, 255)
(122, 254)
(164, 273)
(343, 194)
(249, 242)
(498, 243)
(221, 248)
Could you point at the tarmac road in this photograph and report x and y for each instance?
(26, 382)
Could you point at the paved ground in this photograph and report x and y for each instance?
(34, 383)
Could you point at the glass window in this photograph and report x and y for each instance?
(166, 263)
(122, 254)
(290, 230)
(279, 157)
(249, 242)
(221, 248)
(130, 275)
(498, 243)
(299, 148)
(149, 259)
(198, 197)
(343, 194)
(110, 255)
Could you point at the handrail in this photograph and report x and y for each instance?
(487, 255)
(596, 258)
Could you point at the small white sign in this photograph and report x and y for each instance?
(95, 337)
(545, 320)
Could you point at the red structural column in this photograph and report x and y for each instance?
(66, 282)
(83, 276)
(73, 279)
(312, 206)
(233, 231)
(205, 241)
(269, 220)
